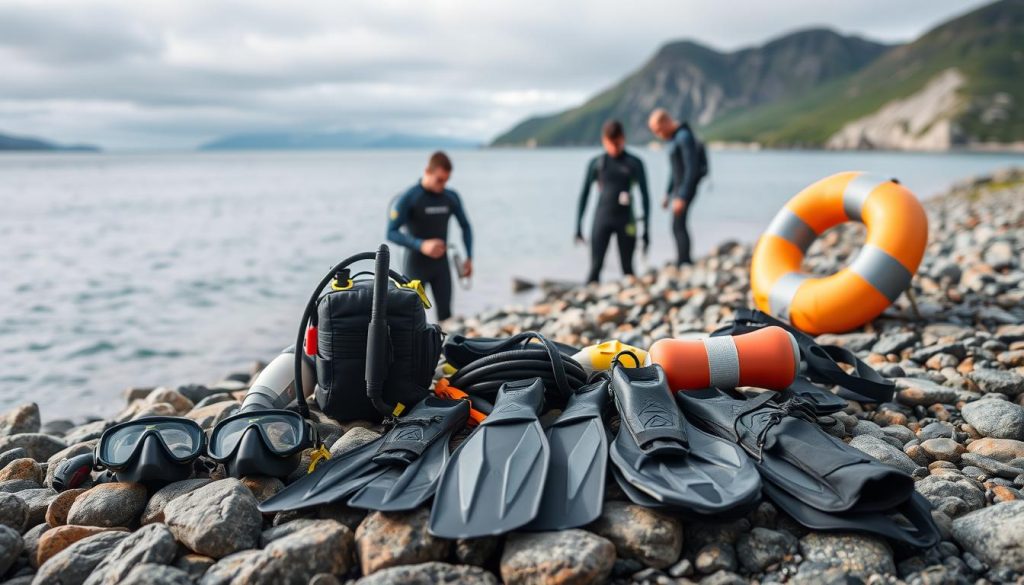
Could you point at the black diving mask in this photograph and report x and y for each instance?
(263, 442)
(151, 450)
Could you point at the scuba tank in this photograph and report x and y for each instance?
(374, 351)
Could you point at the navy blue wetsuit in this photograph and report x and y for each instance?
(615, 177)
(424, 215)
(682, 184)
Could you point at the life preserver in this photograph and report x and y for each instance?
(897, 235)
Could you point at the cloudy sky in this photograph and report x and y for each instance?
(157, 74)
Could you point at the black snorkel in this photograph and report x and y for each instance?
(377, 336)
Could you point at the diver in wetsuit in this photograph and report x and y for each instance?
(424, 211)
(616, 172)
(687, 170)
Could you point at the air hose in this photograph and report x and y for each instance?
(560, 374)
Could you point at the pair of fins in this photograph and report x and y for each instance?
(820, 481)
(511, 474)
(662, 461)
(396, 472)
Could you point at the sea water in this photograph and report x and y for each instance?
(163, 269)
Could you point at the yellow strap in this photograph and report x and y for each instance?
(417, 286)
(399, 409)
(318, 455)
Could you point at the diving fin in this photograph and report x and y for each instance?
(335, 479)
(413, 457)
(495, 480)
(909, 523)
(793, 453)
(672, 462)
(574, 490)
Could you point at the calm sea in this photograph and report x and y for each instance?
(150, 269)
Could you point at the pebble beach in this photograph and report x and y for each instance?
(955, 349)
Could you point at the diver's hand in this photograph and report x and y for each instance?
(678, 206)
(664, 202)
(467, 268)
(646, 239)
(433, 248)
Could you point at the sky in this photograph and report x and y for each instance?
(157, 74)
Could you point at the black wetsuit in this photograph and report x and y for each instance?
(615, 177)
(425, 215)
(682, 184)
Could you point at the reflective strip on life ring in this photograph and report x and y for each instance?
(897, 235)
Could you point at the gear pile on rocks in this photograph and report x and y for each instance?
(957, 425)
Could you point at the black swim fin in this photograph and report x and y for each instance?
(574, 490)
(430, 421)
(793, 453)
(414, 457)
(495, 480)
(661, 455)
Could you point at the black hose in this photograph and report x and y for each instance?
(377, 335)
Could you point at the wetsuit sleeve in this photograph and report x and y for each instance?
(397, 216)
(687, 146)
(467, 230)
(588, 180)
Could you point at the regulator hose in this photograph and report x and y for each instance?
(561, 375)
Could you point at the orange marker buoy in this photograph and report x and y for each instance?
(766, 358)
(897, 235)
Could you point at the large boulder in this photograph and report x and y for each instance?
(994, 534)
(566, 557)
(217, 519)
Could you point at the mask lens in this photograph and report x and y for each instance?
(118, 446)
(180, 439)
(282, 434)
(227, 435)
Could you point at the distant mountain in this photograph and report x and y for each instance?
(703, 85)
(958, 85)
(9, 143)
(331, 140)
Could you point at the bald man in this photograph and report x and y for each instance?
(687, 169)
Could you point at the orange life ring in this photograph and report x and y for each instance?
(897, 235)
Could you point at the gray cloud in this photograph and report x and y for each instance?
(166, 74)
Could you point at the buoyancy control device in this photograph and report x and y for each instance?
(374, 350)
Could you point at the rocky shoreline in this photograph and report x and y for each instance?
(957, 425)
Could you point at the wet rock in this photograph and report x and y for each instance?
(21, 419)
(895, 343)
(195, 566)
(109, 504)
(476, 551)
(57, 512)
(762, 548)
(275, 532)
(38, 501)
(178, 401)
(56, 540)
(936, 430)
(884, 452)
(154, 511)
(639, 533)
(153, 543)
(564, 557)
(13, 512)
(723, 578)
(26, 468)
(215, 520)
(995, 418)
(37, 445)
(296, 558)
(715, 557)
(207, 415)
(701, 534)
(1004, 450)
(12, 454)
(389, 539)
(920, 392)
(263, 487)
(73, 565)
(431, 574)
(86, 432)
(859, 555)
(965, 494)
(11, 545)
(991, 466)
(994, 534)
(355, 437)
(31, 539)
(999, 381)
(150, 573)
(683, 568)
(944, 449)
